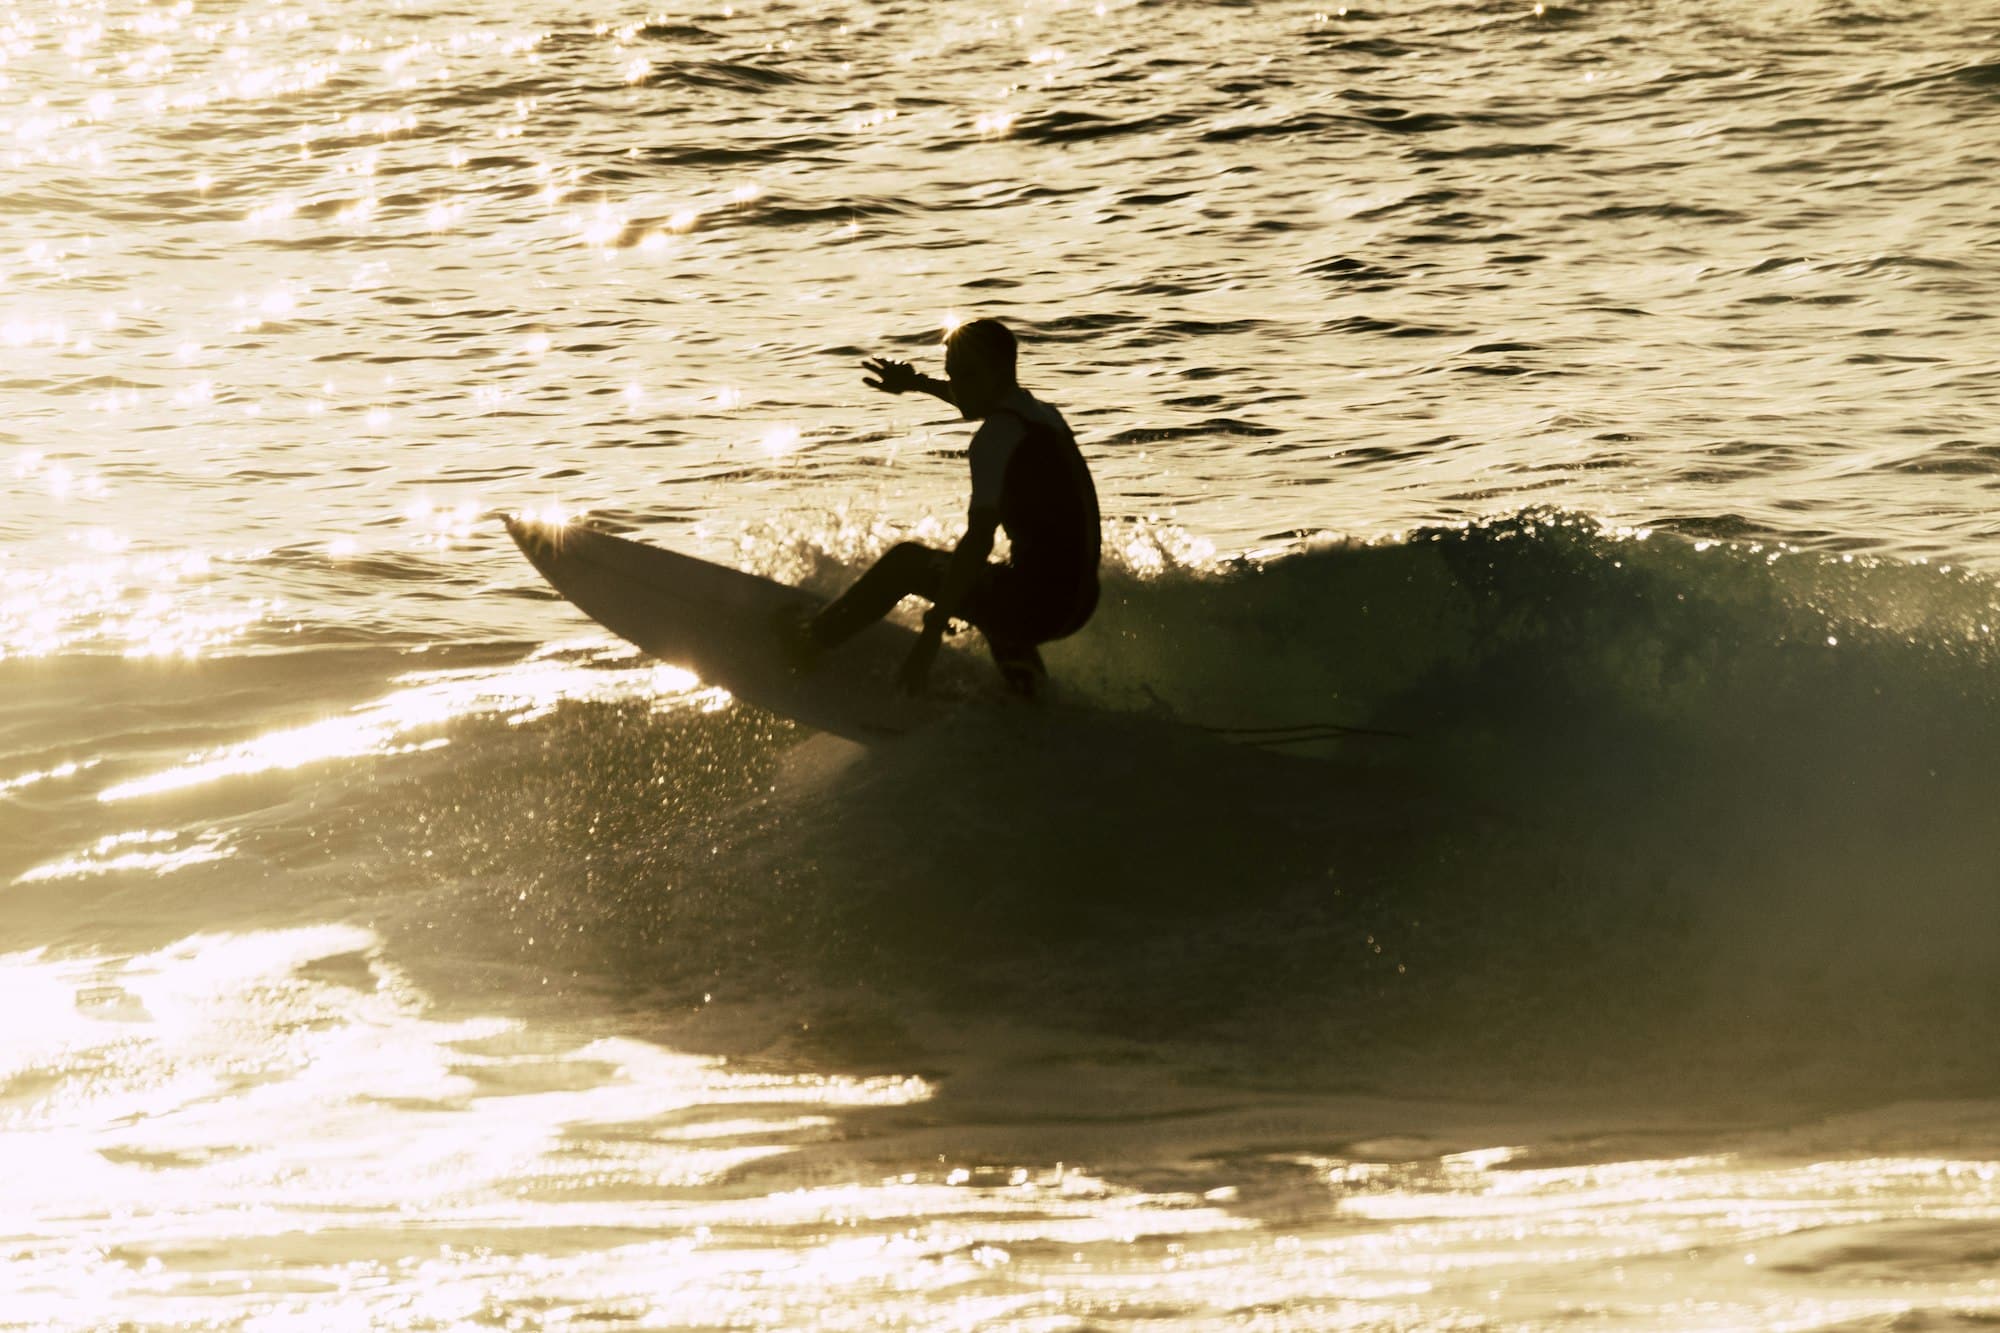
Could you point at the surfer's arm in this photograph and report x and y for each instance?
(962, 571)
(901, 377)
(968, 558)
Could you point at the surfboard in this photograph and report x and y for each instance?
(723, 625)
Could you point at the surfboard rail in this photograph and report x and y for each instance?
(723, 625)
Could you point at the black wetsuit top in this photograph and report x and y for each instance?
(1039, 485)
(1049, 508)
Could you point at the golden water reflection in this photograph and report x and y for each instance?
(147, 604)
(147, 851)
(276, 1126)
(282, 1108)
(396, 724)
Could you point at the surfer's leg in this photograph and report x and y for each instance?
(1009, 613)
(908, 569)
(1019, 611)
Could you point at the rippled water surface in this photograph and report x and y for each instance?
(1596, 405)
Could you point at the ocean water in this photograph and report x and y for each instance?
(1516, 848)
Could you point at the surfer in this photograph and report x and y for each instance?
(1028, 478)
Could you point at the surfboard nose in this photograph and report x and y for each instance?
(546, 528)
(532, 534)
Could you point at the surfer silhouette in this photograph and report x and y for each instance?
(1029, 479)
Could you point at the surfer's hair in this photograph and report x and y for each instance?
(988, 339)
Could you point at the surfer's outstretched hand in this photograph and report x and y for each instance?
(890, 376)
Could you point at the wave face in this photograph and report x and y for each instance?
(1724, 797)
(1611, 807)
(1525, 800)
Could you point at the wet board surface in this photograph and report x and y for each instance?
(722, 624)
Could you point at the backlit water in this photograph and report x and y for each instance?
(1599, 403)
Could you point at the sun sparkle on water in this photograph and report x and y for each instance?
(227, 1038)
(395, 724)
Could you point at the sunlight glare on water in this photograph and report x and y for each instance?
(392, 725)
(263, 1114)
(288, 1114)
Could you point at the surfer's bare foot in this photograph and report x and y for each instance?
(798, 645)
(1023, 673)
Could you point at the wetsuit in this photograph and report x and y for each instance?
(1026, 466)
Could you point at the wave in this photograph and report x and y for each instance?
(1395, 120)
(1695, 778)
(1531, 801)
(745, 75)
(1063, 127)
(1528, 799)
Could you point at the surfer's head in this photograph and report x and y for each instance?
(979, 361)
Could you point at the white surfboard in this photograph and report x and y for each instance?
(722, 624)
